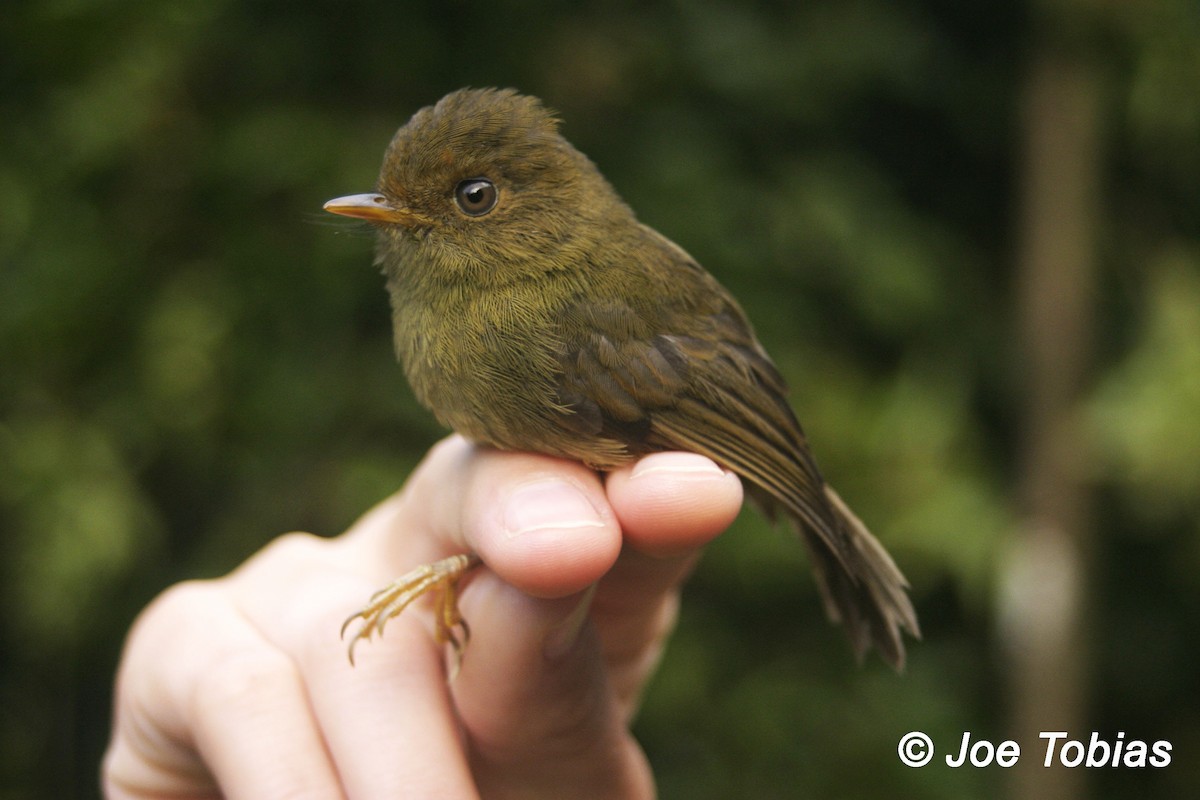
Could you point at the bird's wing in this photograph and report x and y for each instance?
(686, 373)
(719, 399)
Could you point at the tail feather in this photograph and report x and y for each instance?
(860, 584)
(863, 590)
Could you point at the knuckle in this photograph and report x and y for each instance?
(297, 545)
(244, 677)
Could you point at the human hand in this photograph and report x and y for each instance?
(238, 687)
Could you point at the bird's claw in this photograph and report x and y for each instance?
(439, 578)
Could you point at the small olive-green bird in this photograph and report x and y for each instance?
(532, 311)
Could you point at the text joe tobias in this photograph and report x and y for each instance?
(916, 750)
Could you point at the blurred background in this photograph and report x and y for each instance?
(969, 233)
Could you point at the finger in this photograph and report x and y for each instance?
(535, 702)
(542, 524)
(388, 723)
(205, 707)
(532, 694)
(670, 505)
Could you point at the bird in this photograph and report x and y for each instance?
(532, 311)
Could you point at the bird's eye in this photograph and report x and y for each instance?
(475, 196)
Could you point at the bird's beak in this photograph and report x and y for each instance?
(375, 208)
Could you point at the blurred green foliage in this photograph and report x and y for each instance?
(193, 359)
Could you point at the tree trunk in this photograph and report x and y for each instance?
(1044, 581)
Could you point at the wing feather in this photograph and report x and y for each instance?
(688, 374)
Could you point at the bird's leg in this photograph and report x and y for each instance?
(439, 578)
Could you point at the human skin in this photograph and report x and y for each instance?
(239, 687)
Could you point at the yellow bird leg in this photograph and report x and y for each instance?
(439, 579)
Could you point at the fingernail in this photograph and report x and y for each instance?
(562, 637)
(683, 465)
(548, 505)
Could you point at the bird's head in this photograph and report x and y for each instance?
(483, 187)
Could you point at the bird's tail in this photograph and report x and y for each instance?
(863, 589)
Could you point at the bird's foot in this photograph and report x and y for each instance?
(439, 579)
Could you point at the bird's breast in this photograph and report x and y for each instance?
(484, 363)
